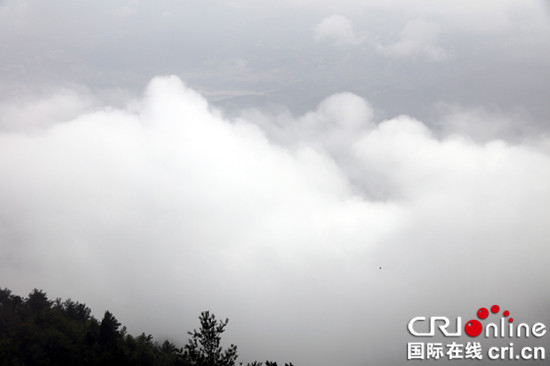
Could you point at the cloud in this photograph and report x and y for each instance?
(417, 38)
(40, 112)
(338, 29)
(167, 207)
(482, 123)
(331, 127)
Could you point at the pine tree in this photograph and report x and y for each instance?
(204, 347)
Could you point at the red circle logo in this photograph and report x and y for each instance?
(473, 328)
(483, 313)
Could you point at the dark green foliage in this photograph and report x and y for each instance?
(35, 331)
(267, 363)
(108, 331)
(204, 347)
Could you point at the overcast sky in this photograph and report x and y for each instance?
(264, 159)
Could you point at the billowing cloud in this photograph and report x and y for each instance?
(41, 112)
(417, 38)
(338, 29)
(482, 123)
(166, 207)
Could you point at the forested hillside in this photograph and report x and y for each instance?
(38, 331)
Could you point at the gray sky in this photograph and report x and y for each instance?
(263, 159)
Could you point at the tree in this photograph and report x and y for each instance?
(39, 332)
(108, 331)
(38, 301)
(204, 348)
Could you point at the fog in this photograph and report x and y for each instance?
(319, 186)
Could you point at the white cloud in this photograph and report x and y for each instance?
(279, 222)
(43, 111)
(277, 230)
(481, 123)
(338, 29)
(331, 127)
(128, 9)
(417, 38)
